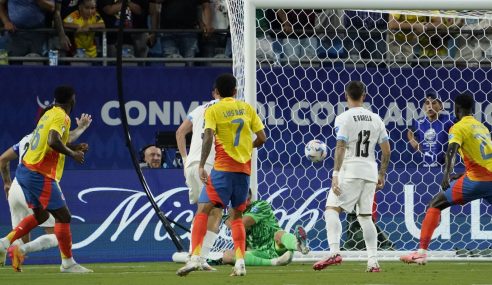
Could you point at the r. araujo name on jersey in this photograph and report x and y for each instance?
(361, 129)
(197, 117)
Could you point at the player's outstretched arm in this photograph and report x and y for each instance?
(5, 159)
(83, 123)
(449, 166)
(385, 158)
(184, 129)
(260, 138)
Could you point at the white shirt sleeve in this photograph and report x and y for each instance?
(383, 134)
(341, 129)
(193, 114)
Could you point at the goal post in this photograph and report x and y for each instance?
(300, 97)
(247, 40)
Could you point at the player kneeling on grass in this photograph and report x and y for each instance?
(472, 139)
(266, 243)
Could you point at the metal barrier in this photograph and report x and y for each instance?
(330, 32)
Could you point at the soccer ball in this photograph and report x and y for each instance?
(315, 150)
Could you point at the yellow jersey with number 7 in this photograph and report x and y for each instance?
(475, 147)
(233, 123)
(40, 157)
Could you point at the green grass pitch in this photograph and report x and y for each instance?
(348, 273)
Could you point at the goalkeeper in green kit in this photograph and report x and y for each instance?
(266, 243)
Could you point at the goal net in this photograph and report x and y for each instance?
(302, 61)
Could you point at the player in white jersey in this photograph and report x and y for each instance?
(194, 123)
(17, 201)
(355, 176)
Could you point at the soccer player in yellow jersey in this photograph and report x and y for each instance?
(41, 170)
(472, 140)
(233, 123)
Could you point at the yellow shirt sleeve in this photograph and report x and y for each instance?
(456, 135)
(58, 124)
(256, 124)
(210, 122)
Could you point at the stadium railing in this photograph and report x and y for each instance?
(330, 32)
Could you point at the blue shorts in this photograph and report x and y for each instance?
(39, 190)
(223, 187)
(464, 190)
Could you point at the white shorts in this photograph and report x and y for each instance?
(195, 185)
(19, 209)
(355, 191)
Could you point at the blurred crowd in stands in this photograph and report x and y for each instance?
(200, 28)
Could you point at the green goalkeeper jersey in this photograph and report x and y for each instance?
(261, 234)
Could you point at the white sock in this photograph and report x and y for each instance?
(41, 243)
(422, 251)
(370, 236)
(239, 262)
(4, 244)
(208, 243)
(333, 230)
(68, 262)
(18, 242)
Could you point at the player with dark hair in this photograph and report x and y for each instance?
(428, 136)
(355, 176)
(232, 122)
(355, 90)
(17, 202)
(195, 123)
(40, 172)
(472, 140)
